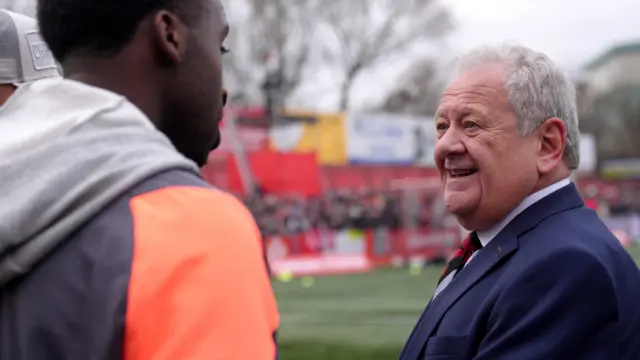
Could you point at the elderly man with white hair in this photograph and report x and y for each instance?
(540, 276)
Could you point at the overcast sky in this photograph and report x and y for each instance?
(571, 32)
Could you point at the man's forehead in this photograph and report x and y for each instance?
(471, 88)
(446, 110)
(487, 75)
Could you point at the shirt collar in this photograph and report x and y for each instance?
(488, 234)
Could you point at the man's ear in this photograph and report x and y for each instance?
(552, 136)
(170, 38)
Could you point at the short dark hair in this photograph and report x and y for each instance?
(101, 27)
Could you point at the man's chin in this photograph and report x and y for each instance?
(216, 139)
(467, 221)
(462, 210)
(459, 210)
(201, 158)
(215, 144)
(460, 202)
(200, 161)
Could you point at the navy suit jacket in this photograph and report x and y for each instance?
(554, 284)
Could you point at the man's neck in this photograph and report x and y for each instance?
(488, 234)
(109, 75)
(551, 178)
(6, 90)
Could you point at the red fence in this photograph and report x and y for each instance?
(279, 173)
(219, 173)
(330, 251)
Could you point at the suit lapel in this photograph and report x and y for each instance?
(463, 281)
(495, 253)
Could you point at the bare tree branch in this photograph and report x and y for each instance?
(365, 32)
(277, 29)
(418, 90)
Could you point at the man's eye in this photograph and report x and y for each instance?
(470, 125)
(441, 127)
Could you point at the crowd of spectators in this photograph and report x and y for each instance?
(613, 198)
(367, 209)
(285, 215)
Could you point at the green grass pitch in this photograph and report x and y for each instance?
(354, 317)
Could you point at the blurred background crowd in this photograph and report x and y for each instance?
(339, 210)
(369, 209)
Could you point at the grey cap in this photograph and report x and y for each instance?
(24, 56)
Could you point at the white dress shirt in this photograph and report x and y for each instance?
(487, 235)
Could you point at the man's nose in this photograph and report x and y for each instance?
(451, 143)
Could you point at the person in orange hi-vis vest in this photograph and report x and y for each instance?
(111, 244)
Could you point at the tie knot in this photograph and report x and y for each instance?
(472, 242)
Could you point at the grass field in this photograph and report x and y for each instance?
(354, 317)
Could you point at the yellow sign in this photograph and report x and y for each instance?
(325, 137)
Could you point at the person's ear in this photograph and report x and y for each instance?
(170, 35)
(552, 136)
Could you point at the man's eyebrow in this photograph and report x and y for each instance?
(472, 110)
(440, 113)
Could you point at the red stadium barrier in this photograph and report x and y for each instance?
(385, 246)
(320, 252)
(296, 173)
(321, 264)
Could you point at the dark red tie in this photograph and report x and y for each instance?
(470, 244)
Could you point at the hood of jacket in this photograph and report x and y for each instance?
(67, 150)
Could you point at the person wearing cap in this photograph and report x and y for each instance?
(112, 246)
(24, 56)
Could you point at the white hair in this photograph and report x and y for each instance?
(537, 89)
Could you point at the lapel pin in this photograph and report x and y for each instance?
(499, 253)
